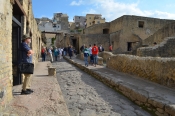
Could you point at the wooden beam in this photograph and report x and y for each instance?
(20, 6)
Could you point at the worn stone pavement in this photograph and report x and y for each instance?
(47, 99)
(156, 98)
(86, 96)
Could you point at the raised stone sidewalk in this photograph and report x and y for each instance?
(47, 99)
(155, 98)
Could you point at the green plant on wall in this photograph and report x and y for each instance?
(79, 30)
(53, 39)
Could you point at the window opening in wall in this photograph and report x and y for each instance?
(89, 17)
(105, 31)
(90, 23)
(129, 46)
(98, 22)
(54, 25)
(141, 24)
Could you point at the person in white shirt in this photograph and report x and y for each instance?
(60, 54)
(50, 54)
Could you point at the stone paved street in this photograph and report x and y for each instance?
(86, 96)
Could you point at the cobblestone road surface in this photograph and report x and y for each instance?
(86, 96)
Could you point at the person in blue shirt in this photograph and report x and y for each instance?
(56, 53)
(26, 57)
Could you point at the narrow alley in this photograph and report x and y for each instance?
(86, 96)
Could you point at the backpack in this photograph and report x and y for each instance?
(58, 52)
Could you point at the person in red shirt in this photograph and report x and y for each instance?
(43, 53)
(95, 54)
(110, 48)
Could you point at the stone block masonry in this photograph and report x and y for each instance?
(28, 25)
(5, 53)
(155, 69)
(164, 49)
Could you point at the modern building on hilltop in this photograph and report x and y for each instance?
(80, 21)
(92, 19)
(58, 23)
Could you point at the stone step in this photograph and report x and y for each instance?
(153, 97)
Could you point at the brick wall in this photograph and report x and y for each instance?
(5, 52)
(155, 69)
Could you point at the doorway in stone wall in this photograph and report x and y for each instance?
(129, 46)
(16, 40)
(74, 41)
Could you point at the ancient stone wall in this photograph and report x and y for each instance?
(97, 28)
(5, 52)
(105, 55)
(164, 49)
(167, 31)
(132, 33)
(155, 69)
(127, 29)
(6, 13)
(99, 39)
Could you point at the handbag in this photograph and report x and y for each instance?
(26, 68)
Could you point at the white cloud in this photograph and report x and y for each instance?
(110, 9)
(78, 3)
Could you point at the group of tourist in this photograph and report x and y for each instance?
(57, 53)
(92, 52)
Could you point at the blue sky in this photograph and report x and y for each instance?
(110, 9)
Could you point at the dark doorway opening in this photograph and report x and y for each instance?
(16, 40)
(74, 42)
(129, 46)
(105, 31)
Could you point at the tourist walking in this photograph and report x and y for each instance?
(100, 48)
(43, 54)
(50, 54)
(82, 48)
(26, 53)
(70, 52)
(86, 55)
(68, 49)
(90, 54)
(56, 53)
(65, 51)
(95, 54)
(110, 48)
(60, 52)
